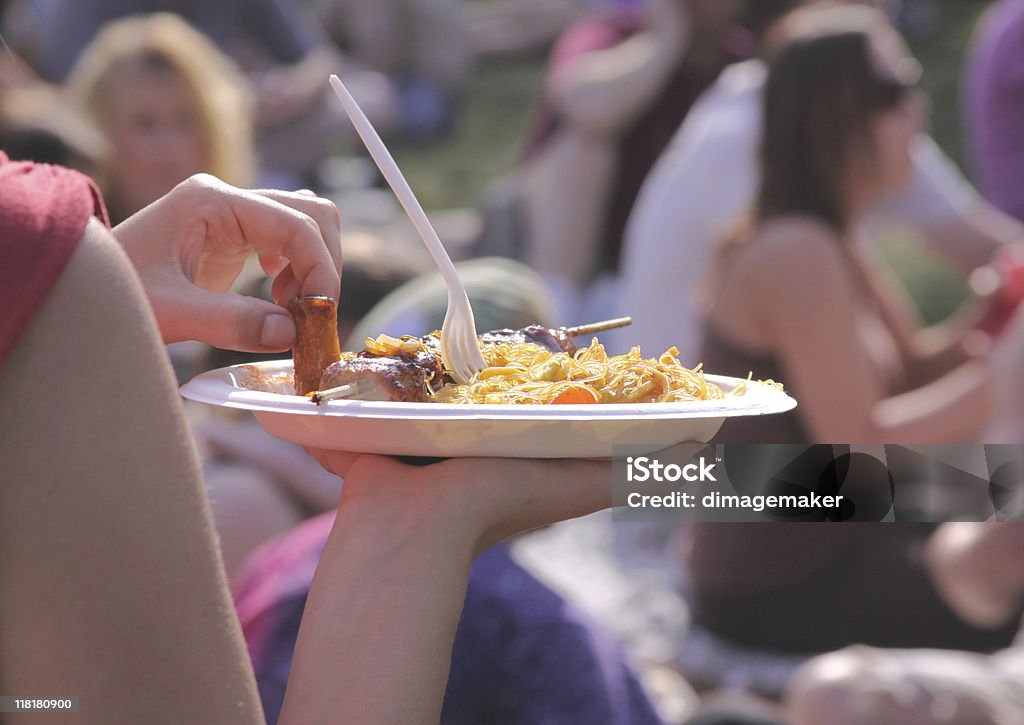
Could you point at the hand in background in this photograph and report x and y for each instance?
(189, 246)
(1007, 365)
(978, 569)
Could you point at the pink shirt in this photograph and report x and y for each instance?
(43, 213)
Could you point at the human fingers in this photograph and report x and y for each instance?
(227, 320)
(285, 286)
(239, 216)
(321, 210)
(272, 264)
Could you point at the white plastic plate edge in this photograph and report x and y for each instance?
(220, 387)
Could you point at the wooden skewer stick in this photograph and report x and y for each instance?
(595, 327)
(342, 391)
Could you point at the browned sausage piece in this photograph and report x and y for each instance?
(316, 342)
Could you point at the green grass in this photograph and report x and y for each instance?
(486, 141)
(935, 288)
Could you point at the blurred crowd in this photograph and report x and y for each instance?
(721, 170)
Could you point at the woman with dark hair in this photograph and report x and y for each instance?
(794, 297)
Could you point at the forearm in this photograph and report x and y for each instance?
(953, 409)
(602, 92)
(970, 240)
(979, 569)
(942, 348)
(376, 637)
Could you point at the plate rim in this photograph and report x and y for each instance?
(213, 387)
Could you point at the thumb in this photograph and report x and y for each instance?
(234, 322)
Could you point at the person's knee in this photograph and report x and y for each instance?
(836, 688)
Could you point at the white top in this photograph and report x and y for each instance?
(704, 181)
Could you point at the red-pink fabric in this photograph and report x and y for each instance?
(43, 213)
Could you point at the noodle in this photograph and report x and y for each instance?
(528, 373)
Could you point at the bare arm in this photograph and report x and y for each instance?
(600, 92)
(979, 569)
(928, 352)
(115, 591)
(403, 530)
(811, 322)
(970, 239)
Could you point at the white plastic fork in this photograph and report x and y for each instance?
(459, 344)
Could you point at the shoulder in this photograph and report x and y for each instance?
(795, 253)
(44, 212)
(725, 119)
(746, 77)
(38, 199)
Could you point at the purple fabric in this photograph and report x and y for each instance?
(995, 105)
(283, 29)
(522, 655)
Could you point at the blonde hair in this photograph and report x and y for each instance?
(219, 89)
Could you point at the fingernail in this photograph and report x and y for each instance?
(278, 331)
(307, 192)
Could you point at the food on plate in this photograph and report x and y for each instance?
(531, 365)
(316, 345)
(529, 373)
(402, 374)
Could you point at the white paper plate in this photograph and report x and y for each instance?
(448, 430)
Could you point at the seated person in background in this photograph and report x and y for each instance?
(422, 46)
(522, 655)
(793, 297)
(38, 124)
(979, 569)
(707, 179)
(994, 92)
(518, 27)
(276, 43)
(616, 89)
(169, 105)
(824, 163)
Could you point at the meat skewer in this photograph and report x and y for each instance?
(401, 378)
(555, 340)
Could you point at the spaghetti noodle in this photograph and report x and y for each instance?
(529, 374)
